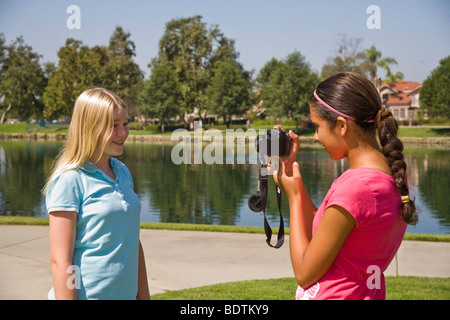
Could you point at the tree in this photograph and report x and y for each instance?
(79, 68)
(22, 80)
(229, 90)
(286, 86)
(121, 74)
(161, 94)
(192, 49)
(398, 76)
(434, 94)
(348, 57)
(373, 61)
(266, 71)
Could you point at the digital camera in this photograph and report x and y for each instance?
(272, 142)
(273, 138)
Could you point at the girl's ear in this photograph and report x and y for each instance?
(342, 125)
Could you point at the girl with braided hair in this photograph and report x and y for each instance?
(341, 249)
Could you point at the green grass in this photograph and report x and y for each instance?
(397, 288)
(427, 132)
(32, 221)
(417, 132)
(17, 220)
(271, 289)
(417, 288)
(32, 128)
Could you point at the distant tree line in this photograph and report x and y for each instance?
(196, 69)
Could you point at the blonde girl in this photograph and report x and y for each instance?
(94, 213)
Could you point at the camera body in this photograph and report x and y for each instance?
(277, 138)
(272, 142)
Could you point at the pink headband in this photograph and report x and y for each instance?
(334, 110)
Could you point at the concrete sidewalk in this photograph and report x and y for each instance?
(185, 259)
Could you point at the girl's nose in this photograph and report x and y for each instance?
(316, 136)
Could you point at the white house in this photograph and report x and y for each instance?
(401, 98)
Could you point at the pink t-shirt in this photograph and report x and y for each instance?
(371, 197)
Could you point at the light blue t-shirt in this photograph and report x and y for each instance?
(107, 233)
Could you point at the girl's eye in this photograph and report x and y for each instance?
(125, 124)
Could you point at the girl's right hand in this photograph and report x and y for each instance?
(288, 183)
(285, 177)
(292, 157)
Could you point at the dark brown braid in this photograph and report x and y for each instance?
(392, 148)
(355, 96)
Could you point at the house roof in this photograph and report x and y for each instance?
(402, 86)
(399, 99)
(402, 92)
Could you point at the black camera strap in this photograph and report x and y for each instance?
(267, 229)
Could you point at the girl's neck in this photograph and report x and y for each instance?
(368, 156)
(104, 165)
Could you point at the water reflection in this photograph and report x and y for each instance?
(214, 194)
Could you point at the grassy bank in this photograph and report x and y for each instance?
(397, 288)
(417, 132)
(8, 220)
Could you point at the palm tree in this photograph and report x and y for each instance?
(373, 61)
(398, 76)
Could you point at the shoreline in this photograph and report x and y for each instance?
(43, 221)
(407, 141)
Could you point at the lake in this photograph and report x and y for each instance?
(215, 193)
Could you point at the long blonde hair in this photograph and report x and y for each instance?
(91, 126)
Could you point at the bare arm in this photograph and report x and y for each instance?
(62, 241)
(311, 257)
(143, 290)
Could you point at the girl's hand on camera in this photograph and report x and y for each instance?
(287, 174)
(292, 157)
(288, 183)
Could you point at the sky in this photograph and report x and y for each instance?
(414, 32)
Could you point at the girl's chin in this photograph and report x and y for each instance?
(117, 149)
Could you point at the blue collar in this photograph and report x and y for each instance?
(89, 167)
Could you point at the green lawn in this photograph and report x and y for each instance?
(397, 288)
(424, 132)
(420, 132)
(32, 128)
(18, 220)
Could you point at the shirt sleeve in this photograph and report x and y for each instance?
(65, 194)
(357, 197)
